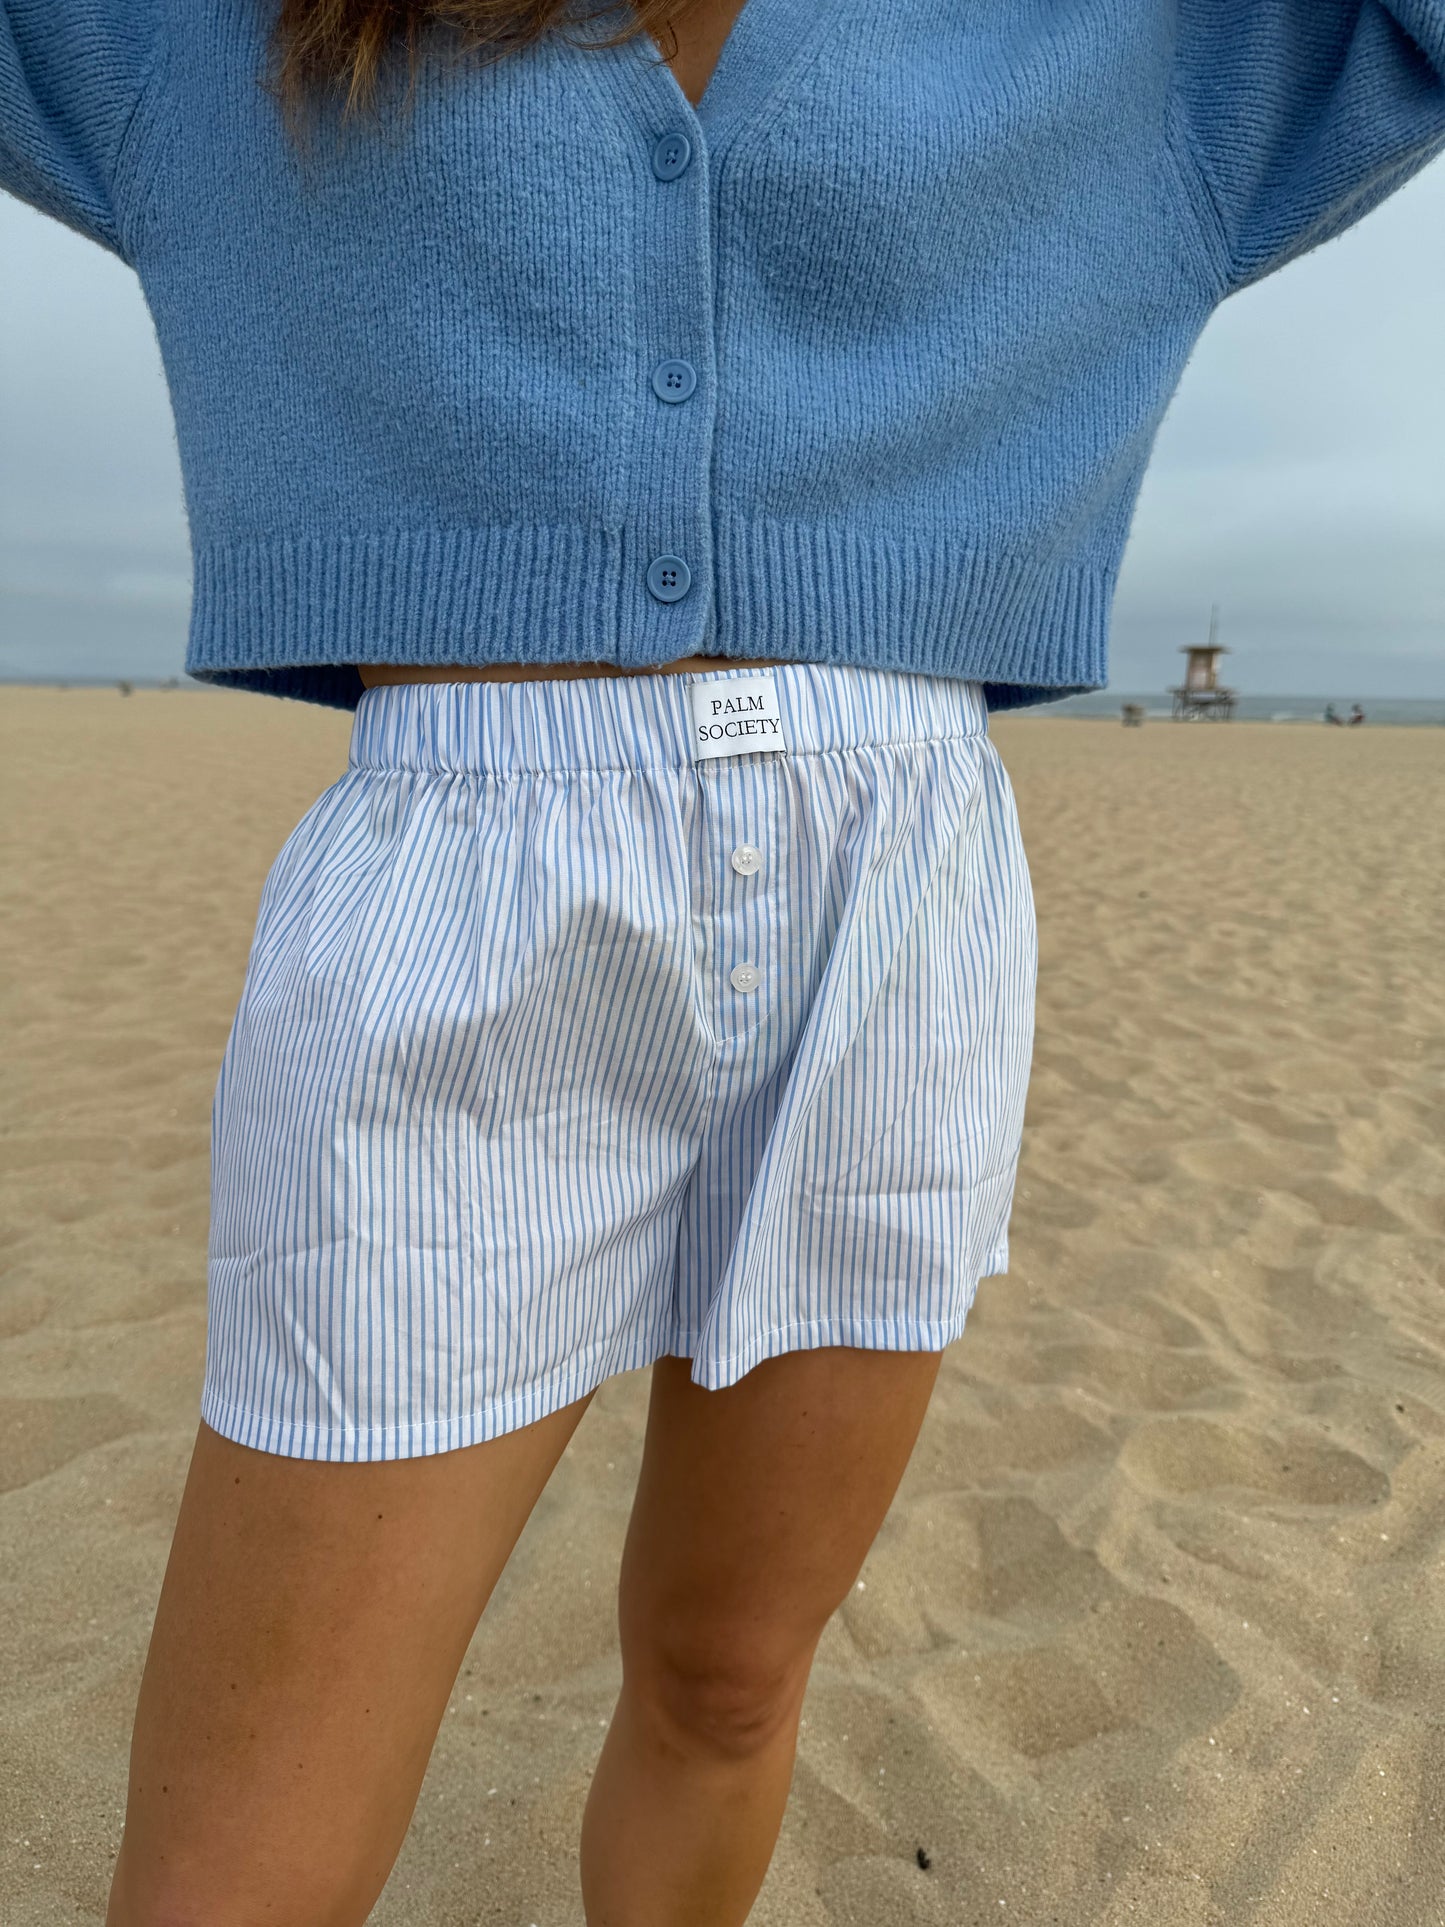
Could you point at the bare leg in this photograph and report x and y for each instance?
(310, 1627)
(755, 1508)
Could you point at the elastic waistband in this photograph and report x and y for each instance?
(632, 722)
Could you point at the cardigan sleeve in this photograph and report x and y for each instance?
(1302, 115)
(72, 74)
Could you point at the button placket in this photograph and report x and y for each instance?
(673, 569)
(674, 381)
(669, 578)
(747, 860)
(747, 910)
(671, 154)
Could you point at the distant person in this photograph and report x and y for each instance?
(638, 996)
(1357, 716)
(1332, 715)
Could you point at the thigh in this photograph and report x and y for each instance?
(756, 1505)
(310, 1628)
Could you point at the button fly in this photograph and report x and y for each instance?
(746, 859)
(669, 578)
(745, 976)
(670, 155)
(674, 380)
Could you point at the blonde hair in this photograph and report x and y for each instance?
(340, 48)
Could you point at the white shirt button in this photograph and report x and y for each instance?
(747, 858)
(745, 976)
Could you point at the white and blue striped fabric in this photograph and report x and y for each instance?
(561, 1049)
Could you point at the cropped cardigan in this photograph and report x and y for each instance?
(859, 362)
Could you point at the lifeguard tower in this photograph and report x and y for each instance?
(1201, 694)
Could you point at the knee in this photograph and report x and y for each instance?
(720, 1700)
(158, 1903)
(159, 1907)
(156, 1892)
(149, 1897)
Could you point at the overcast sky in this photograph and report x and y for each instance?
(1299, 480)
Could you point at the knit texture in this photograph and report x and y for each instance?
(937, 272)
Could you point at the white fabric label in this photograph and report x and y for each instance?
(733, 715)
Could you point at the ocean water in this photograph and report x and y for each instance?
(1392, 712)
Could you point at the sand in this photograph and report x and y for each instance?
(1156, 1629)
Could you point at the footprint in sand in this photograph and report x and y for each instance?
(1020, 1557)
(39, 1435)
(1355, 1210)
(1274, 1122)
(1054, 1205)
(1037, 1703)
(1128, 1377)
(164, 1150)
(1235, 1161)
(1128, 1663)
(1188, 1454)
(41, 1151)
(23, 1306)
(1321, 1310)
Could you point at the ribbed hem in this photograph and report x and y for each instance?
(293, 617)
(290, 618)
(913, 600)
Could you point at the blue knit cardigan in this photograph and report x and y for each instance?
(860, 362)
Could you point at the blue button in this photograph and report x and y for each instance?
(671, 155)
(674, 380)
(669, 578)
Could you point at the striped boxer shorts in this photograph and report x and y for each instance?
(590, 1021)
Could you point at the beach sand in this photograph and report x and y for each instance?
(1156, 1629)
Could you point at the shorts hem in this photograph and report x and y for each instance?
(866, 1334)
(423, 1438)
(578, 1378)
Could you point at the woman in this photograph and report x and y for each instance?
(672, 460)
